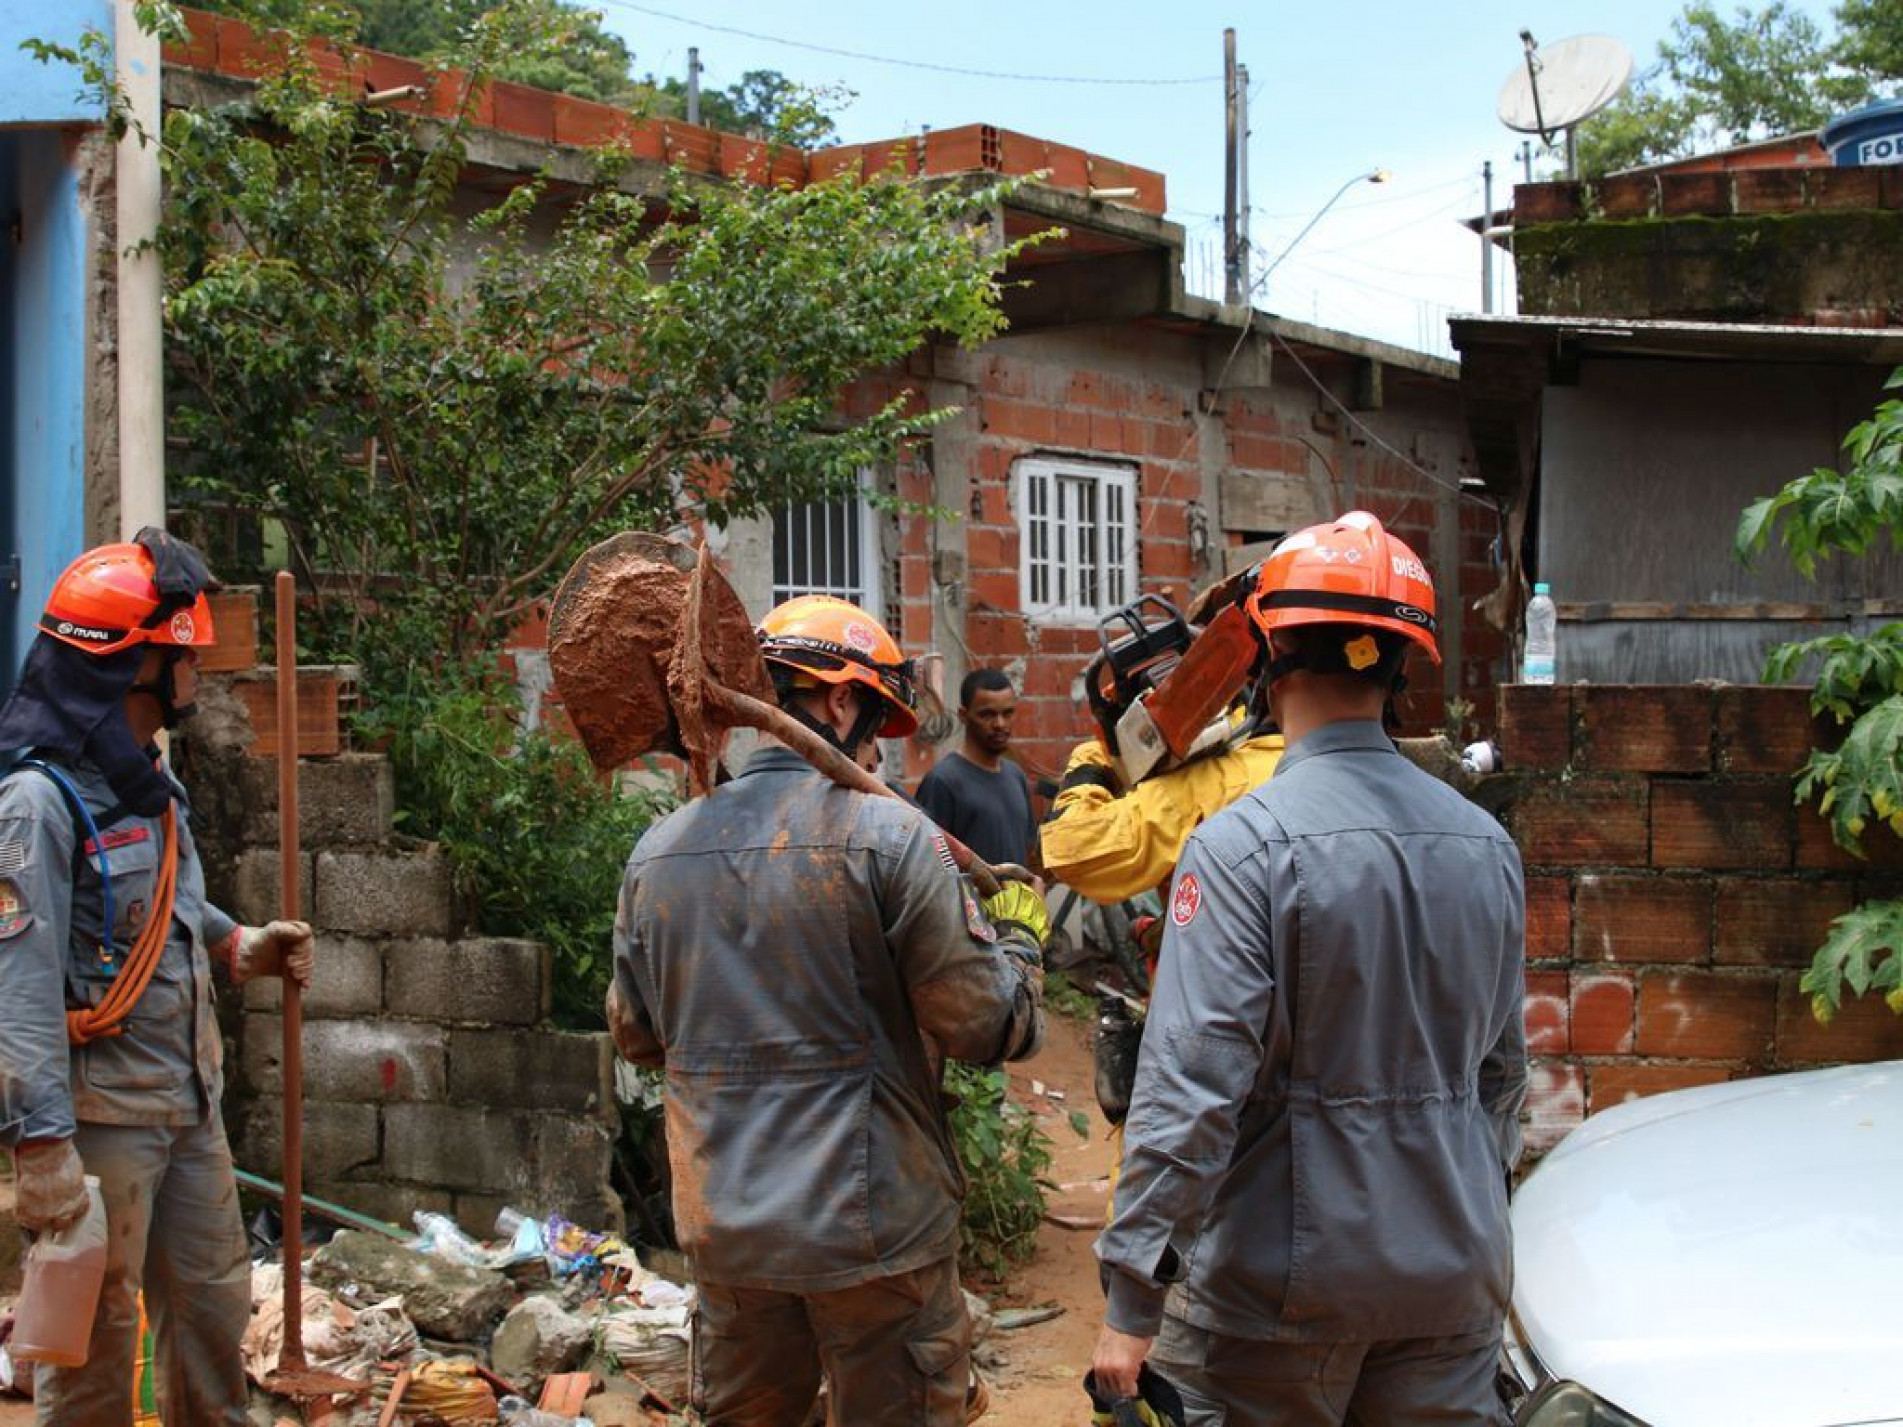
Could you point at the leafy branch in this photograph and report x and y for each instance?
(1858, 682)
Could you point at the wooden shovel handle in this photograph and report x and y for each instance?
(745, 711)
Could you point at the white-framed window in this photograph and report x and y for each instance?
(829, 547)
(1077, 552)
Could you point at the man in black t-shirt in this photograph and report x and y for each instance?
(974, 792)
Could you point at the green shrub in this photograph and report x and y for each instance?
(538, 841)
(1005, 1157)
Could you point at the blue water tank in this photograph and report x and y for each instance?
(1870, 135)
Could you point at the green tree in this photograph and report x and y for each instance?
(764, 104)
(1759, 73)
(437, 434)
(1858, 784)
(1870, 41)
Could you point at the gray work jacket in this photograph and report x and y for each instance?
(1326, 1102)
(165, 1066)
(783, 946)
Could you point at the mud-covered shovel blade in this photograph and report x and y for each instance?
(614, 624)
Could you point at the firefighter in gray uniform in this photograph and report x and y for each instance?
(1311, 1224)
(785, 947)
(109, 1049)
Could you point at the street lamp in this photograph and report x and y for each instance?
(1373, 175)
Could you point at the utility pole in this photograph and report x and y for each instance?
(1245, 251)
(1486, 236)
(1526, 158)
(693, 84)
(1231, 254)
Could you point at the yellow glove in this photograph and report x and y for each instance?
(1017, 906)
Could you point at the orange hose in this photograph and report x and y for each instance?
(96, 1022)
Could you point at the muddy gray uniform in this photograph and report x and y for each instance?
(784, 947)
(1326, 1105)
(141, 1107)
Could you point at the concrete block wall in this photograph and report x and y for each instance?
(432, 1079)
(1675, 893)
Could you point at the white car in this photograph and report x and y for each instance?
(1729, 1256)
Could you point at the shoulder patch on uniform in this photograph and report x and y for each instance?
(14, 916)
(976, 921)
(12, 857)
(944, 852)
(1187, 901)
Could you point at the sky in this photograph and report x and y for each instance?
(1337, 90)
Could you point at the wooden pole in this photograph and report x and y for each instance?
(291, 1357)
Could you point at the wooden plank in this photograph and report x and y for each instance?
(234, 619)
(1258, 500)
(1236, 558)
(1642, 611)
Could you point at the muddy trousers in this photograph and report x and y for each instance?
(1407, 1382)
(895, 1352)
(174, 1229)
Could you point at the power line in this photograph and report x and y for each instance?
(1409, 196)
(1367, 430)
(903, 63)
(1401, 227)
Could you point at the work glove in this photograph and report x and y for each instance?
(275, 949)
(1017, 907)
(49, 1185)
(1157, 1403)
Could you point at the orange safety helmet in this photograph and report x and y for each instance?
(1346, 571)
(108, 599)
(835, 642)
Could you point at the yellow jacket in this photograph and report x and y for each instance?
(1111, 845)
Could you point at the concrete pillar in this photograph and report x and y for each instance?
(141, 330)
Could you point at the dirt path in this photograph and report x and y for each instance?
(1040, 1383)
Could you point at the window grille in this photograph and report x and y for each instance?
(1077, 543)
(828, 547)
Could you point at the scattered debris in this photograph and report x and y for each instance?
(445, 1300)
(1011, 1319)
(538, 1340)
(1078, 1222)
(338, 1339)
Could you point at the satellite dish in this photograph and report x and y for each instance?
(1565, 82)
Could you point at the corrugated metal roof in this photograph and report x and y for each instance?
(1717, 341)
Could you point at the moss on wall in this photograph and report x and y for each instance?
(1766, 267)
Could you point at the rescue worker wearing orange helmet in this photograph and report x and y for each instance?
(792, 952)
(1310, 1226)
(109, 1048)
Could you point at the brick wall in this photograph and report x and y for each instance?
(1675, 893)
(1135, 399)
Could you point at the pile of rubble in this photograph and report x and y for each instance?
(549, 1324)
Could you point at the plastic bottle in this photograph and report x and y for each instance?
(53, 1321)
(1542, 638)
(1481, 757)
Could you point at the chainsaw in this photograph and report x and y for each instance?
(1161, 688)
